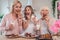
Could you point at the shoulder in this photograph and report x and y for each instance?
(7, 15)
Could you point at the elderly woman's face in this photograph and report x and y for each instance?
(44, 12)
(17, 8)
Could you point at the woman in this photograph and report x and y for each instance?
(44, 23)
(29, 22)
(12, 22)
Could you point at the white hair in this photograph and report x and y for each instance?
(45, 7)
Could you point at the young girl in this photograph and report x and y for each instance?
(29, 22)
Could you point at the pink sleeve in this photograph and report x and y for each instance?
(55, 27)
(3, 23)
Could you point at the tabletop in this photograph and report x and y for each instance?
(5, 38)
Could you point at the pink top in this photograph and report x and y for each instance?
(6, 21)
(55, 27)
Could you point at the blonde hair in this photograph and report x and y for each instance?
(15, 2)
(49, 10)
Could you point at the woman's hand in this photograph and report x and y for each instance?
(20, 19)
(10, 27)
(47, 21)
(25, 24)
(34, 19)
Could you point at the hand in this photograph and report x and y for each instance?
(34, 19)
(47, 20)
(11, 27)
(6, 29)
(25, 24)
(28, 16)
(20, 20)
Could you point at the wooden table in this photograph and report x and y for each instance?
(5, 38)
(2, 37)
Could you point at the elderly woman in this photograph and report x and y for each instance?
(12, 22)
(55, 28)
(44, 23)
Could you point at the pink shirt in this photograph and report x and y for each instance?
(9, 20)
(55, 27)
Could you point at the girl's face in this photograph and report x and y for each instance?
(44, 12)
(28, 12)
(17, 8)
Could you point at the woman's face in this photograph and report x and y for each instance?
(28, 12)
(17, 8)
(44, 12)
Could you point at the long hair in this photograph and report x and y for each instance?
(32, 12)
(15, 3)
(17, 15)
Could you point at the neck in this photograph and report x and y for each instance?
(14, 15)
(28, 20)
